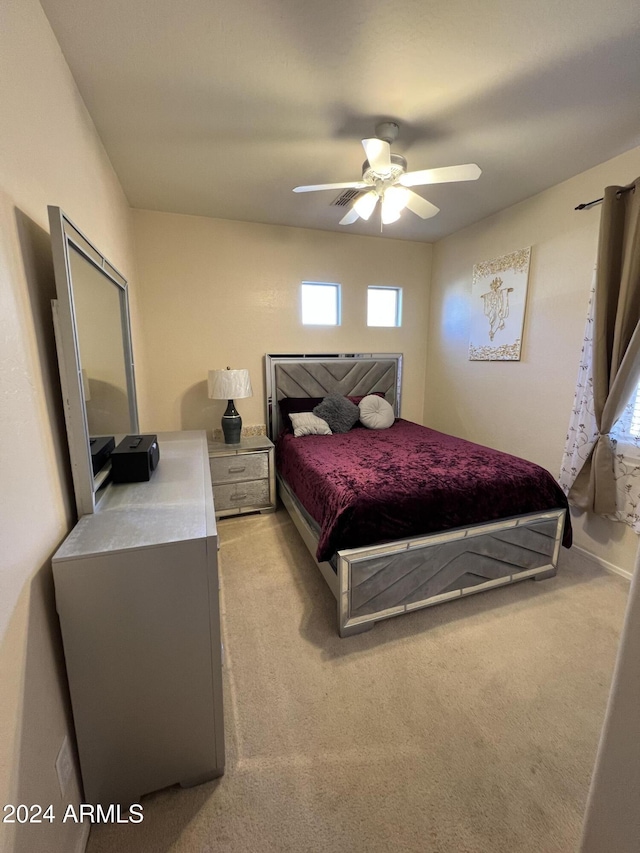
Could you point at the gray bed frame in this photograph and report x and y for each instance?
(380, 581)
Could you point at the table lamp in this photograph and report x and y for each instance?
(230, 385)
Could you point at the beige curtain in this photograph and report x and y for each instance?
(616, 339)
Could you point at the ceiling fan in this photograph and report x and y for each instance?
(385, 179)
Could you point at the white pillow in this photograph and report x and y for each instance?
(375, 412)
(306, 423)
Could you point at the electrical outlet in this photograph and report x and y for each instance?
(64, 767)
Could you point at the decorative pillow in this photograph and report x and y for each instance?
(376, 413)
(306, 404)
(340, 413)
(306, 423)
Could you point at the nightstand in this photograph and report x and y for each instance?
(243, 476)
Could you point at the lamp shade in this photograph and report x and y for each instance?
(229, 384)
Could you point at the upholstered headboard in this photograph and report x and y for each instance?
(316, 375)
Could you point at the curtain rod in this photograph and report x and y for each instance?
(598, 200)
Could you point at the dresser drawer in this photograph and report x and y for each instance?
(254, 493)
(243, 466)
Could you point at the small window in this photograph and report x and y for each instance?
(384, 306)
(634, 423)
(626, 430)
(320, 304)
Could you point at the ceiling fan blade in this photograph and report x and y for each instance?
(350, 217)
(467, 172)
(354, 185)
(423, 208)
(378, 154)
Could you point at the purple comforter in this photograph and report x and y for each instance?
(369, 486)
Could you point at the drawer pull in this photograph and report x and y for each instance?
(237, 470)
(238, 497)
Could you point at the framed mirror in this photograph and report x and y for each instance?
(95, 356)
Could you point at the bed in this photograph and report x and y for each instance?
(403, 518)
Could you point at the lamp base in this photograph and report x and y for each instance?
(231, 424)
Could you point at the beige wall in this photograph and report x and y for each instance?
(49, 154)
(216, 293)
(524, 407)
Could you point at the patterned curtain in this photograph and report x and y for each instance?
(583, 434)
(626, 467)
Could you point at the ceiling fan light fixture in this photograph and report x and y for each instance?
(364, 206)
(396, 198)
(389, 214)
(394, 201)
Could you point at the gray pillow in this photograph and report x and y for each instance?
(341, 414)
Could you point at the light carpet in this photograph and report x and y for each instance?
(470, 727)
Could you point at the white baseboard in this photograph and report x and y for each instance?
(604, 564)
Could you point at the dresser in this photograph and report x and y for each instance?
(136, 586)
(243, 476)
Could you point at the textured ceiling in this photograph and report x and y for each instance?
(221, 108)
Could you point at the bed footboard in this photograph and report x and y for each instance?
(386, 580)
(381, 581)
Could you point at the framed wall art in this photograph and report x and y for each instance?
(498, 299)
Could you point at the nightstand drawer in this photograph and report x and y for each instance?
(254, 493)
(243, 466)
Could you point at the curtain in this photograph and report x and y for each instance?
(583, 431)
(615, 345)
(583, 434)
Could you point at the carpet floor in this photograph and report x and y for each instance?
(470, 727)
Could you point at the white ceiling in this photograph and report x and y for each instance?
(220, 108)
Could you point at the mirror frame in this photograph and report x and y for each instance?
(65, 234)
